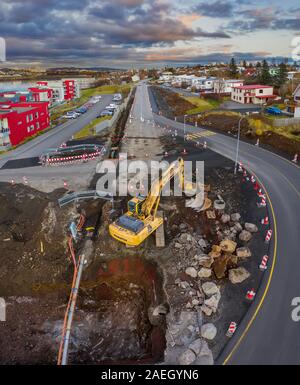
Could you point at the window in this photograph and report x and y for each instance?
(37, 125)
(261, 91)
(36, 115)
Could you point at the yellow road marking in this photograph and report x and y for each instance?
(202, 134)
(268, 283)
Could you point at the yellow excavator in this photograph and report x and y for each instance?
(141, 220)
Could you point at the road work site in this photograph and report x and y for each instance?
(168, 296)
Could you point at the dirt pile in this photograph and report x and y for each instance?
(33, 239)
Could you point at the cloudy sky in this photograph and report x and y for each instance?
(127, 33)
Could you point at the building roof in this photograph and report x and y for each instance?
(252, 87)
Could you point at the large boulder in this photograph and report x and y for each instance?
(238, 227)
(220, 266)
(187, 357)
(210, 288)
(208, 331)
(204, 273)
(196, 346)
(204, 260)
(205, 357)
(243, 252)
(245, 236)
(228, 246)
(251, 227)
(238, 275)
(235, 217)
(215, 251)
(213, 302)
(206, 310)
(191, 271)
(225, 218)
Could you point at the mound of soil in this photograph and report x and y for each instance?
(170, 102)
(33, 239)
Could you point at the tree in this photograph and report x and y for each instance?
(233, 70)
(244, 64)
(258, 64)
(265, 77)
(281, 77)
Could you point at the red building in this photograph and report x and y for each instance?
(69, 89)
(41, 94)
(19, 121)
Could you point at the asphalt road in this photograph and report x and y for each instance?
(267, 334)
(77, 176)
(55, 137)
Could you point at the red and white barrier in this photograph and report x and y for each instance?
(231, 329)
(268, 236)
(260, 193)
(25, 180)
(244, 173)
(265, 221)
(256, 186)
(253, 180)
(70, 159)
(250, 295)
(262, 203)
(295, 160)
(240, 167)
(263, 266)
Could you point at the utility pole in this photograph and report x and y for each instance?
(238, 145)
(184, 127)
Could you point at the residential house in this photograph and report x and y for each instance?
(296, 95)
(224, 86)
(252, 94)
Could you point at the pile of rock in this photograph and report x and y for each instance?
(187, 245)
(213, 296)
(185, 337)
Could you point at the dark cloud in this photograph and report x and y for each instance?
(215, 9)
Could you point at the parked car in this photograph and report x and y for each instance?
(70, 116)
(106, 113)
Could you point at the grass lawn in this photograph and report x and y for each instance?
(88, 130)
(201, 105)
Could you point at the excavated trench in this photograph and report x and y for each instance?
(123, 311)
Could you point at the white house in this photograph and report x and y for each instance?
(224, 86)
(166, 77)
(255, 94)
(296, 95)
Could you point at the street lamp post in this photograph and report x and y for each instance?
(238, 145)
(184, 127)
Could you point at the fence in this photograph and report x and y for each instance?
(82, 195)
(286, 122)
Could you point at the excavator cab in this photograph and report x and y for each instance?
(135, 205)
